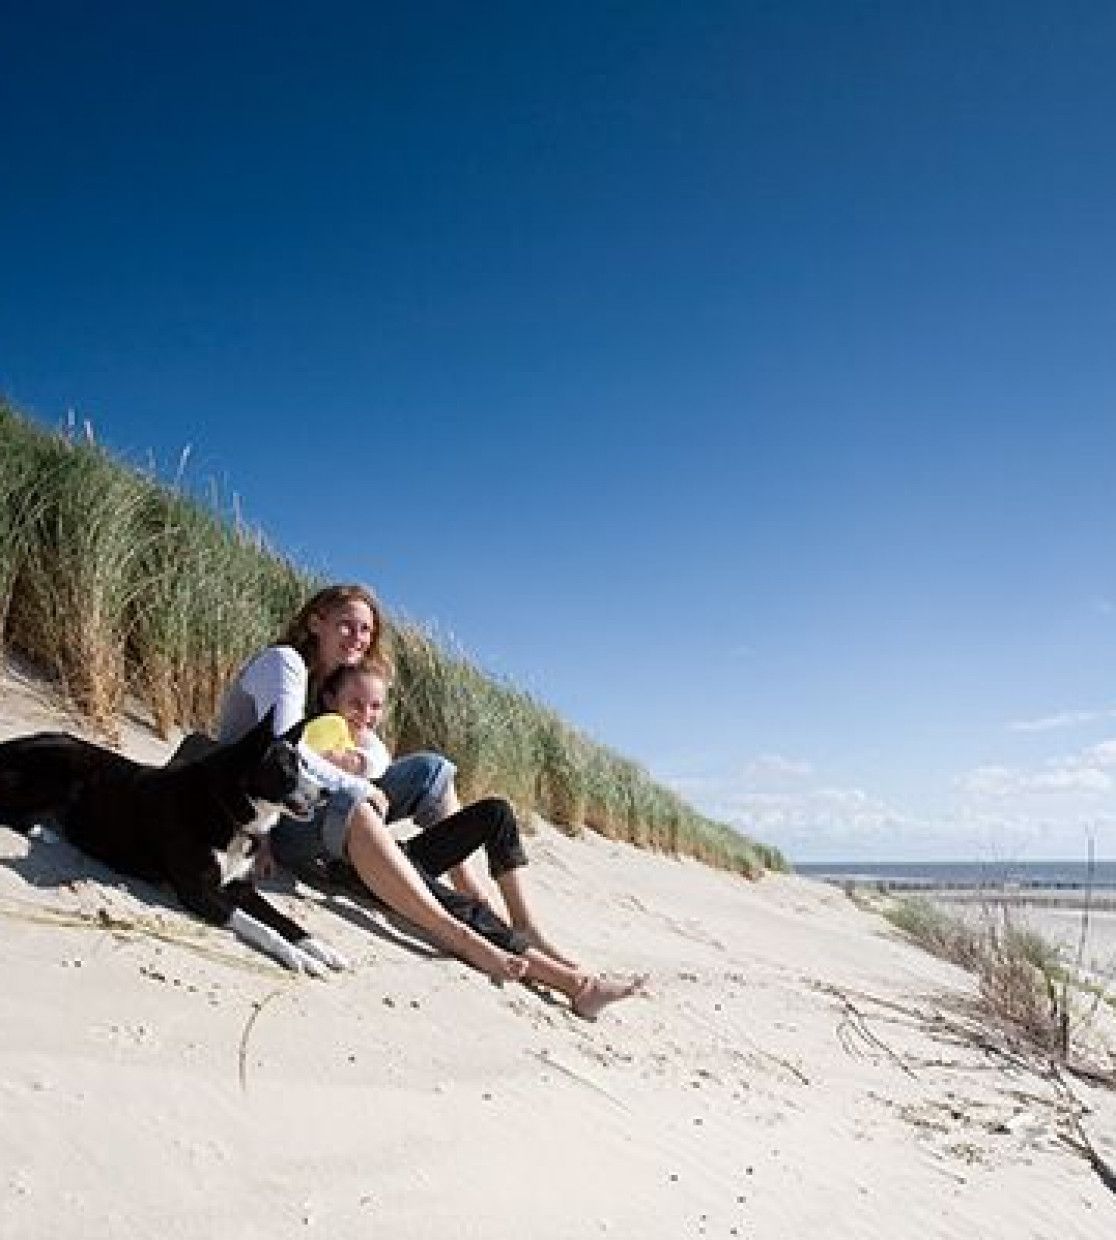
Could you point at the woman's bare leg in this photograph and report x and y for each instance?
(384, 869)
(513, 889)
(588, 995)
(511, 885)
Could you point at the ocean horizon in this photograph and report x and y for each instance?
(1078, 875)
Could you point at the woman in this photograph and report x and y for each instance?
(340, 627)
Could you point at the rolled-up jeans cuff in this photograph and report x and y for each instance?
(417, 786)
(513, 858)
(432, 807)
(335, 822)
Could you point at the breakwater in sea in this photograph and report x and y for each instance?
(1052, 884)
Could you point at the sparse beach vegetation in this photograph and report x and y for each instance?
(1026, 982)
(121, 584)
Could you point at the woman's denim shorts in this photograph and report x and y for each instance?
(415, 786)
(297, 844)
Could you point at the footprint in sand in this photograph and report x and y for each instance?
(693, 931)
(138, 1034)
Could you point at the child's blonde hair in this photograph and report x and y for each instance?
(370, 665)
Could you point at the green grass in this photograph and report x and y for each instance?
(118, 583)
(1023, 978)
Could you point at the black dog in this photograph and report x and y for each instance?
(194, 823)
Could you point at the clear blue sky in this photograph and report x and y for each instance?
(737, 377)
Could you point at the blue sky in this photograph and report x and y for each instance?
(737, 377)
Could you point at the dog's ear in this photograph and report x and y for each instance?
(293, 735)
(242, 808)
(254, 743)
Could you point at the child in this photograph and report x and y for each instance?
(355, 698)
(419, 786)
(347, 735)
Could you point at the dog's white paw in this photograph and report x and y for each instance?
(290, 955)
(329, 956)
(304, 962)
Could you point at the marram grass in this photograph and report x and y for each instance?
(1023, 978)
(120, 584)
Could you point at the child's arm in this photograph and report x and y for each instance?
(355, 762)
(351, 760)
(377, 756)
(374, 759)
(327, 738)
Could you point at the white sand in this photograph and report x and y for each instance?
(185, 1087)
(1096, 941)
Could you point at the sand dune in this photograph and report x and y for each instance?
(795, 1069)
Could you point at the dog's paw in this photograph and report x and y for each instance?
(289, 955)
(329, 956)
(305, 963)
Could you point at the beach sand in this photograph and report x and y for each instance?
(794, 1069)
(1097, 942)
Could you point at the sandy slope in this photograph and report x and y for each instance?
(792, 1072)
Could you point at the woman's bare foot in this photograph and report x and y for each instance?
(500, 965)
(598, 992)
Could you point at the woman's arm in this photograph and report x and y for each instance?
(278, 678)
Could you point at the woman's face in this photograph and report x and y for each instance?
(343, 634)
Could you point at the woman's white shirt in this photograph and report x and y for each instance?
(278, 678)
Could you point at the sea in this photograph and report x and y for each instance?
(961, 875)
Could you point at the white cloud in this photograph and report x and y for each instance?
(1064, 719)
(1085, 773)
(1005, 832)
(1103, 754)
(824, 807)
(1000, 811)
(1070, 779)
(802, 820)
(989, 781)
(774, 768)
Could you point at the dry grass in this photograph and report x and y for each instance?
(117, 582)
(1024, 980)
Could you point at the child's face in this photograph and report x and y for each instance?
(361, 700)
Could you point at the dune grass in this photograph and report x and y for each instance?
(73, 573)
(119, 583)
(1024, 979)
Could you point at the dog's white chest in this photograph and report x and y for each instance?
(237, 860)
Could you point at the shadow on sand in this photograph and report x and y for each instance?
(51, 863)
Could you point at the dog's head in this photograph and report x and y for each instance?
(261, 776)
(267, 777)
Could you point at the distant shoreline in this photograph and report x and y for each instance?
(977, 887)
(1039, 882)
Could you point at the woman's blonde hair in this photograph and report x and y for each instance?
(298, 634)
